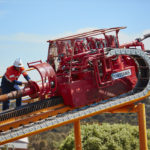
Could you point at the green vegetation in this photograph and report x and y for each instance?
(105, 137)
(49, 140)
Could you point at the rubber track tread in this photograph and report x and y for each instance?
(26, 109)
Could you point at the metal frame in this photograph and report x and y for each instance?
(139, 109)
(120, 108)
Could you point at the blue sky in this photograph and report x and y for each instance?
(26, 25)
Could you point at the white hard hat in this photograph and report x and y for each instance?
(18, 63)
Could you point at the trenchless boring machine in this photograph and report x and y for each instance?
(85, 69)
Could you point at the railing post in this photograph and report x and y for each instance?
(77, 135)
(142, 126)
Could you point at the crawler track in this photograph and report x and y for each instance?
(26, 109)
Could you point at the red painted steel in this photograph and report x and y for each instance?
(48, 78)
(79, 69)
(84, 71)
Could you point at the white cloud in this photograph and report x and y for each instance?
(35, 38)
(65, 34)
(147, 41)
(125, 38)
(24, 37)
(85, 30)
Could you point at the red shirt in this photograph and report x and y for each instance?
(13, 74)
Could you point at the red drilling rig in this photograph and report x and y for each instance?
(86, 68)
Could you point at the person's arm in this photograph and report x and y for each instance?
(21, 83)
(26, 76)
(17, 82)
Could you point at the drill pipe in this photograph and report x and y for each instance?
(16, 94)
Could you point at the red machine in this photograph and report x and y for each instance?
(80, 70)
(85, 74)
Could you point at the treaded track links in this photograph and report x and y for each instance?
(23, 110)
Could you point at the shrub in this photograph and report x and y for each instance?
(105, 137)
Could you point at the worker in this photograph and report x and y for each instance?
(10, 81)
